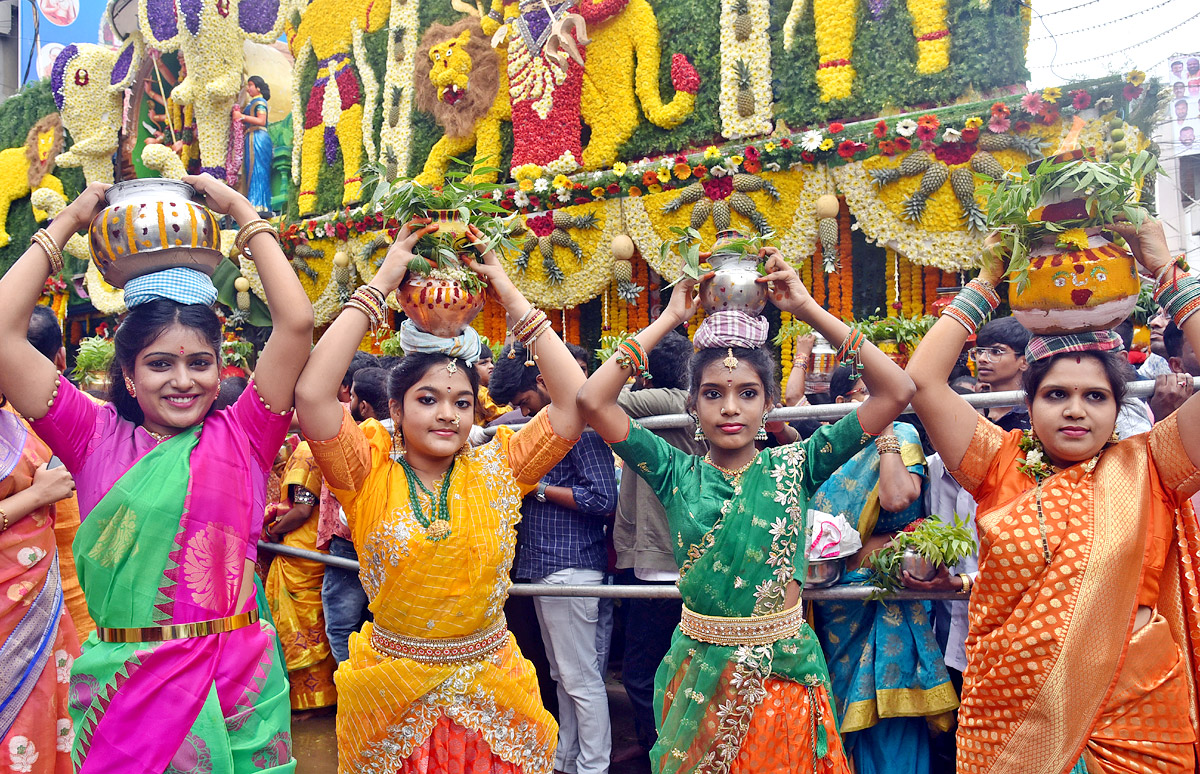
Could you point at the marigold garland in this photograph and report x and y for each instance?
(933, 278)
(786, 349)
(836, 22)
(846, 258)
(891, 273)
(933, 38)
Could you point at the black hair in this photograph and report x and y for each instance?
(1006, 331)
(371, 385)
(1173, 340)
(843, 381)
(669, 362)
(263, 88)
(141, 326)
(1116, 370)
(485, 353)
(759, 359)
(361, 360)
(579, 353)
(388, 362)
(230, 389)
(412, 368)
(511, 376)
(44, 333)
(963, 385)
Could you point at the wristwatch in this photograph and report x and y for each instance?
(540, 494)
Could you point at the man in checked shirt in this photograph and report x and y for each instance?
(560, 541)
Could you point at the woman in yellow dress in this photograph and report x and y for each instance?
(436, 683)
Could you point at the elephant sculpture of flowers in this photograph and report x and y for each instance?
(209, 35)
(88, 83)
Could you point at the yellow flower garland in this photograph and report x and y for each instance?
(785, 349)
(892, 270)
(933, 38)
(836, 21)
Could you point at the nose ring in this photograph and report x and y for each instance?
(455, 420)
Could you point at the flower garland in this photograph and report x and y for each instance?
(755, 54)
(298, 107)
(933, 38)
(396, 139)
(836, 23)
(891, 279)
(846, 259)
(370, 86)
(786, 348)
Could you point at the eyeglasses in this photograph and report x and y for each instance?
(988, 353)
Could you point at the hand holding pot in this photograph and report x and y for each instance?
(787, 291)
(683, 302)
(80, 213)
(395, 263)
(222, 199)
(1147, 243)
(994, 259)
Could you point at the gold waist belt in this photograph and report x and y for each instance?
(177, 631)
(757, 630)
(447, 650)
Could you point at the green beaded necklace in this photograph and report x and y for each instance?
(437, 527)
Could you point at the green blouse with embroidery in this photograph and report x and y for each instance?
(739, 540)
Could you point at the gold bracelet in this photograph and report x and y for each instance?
(251, 230)
(43, 239)
(966, 584)
(4, 518)
(887, 444)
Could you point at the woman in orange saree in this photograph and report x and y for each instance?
(436, 683)
(1084, 635)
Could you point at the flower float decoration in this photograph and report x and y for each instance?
(333, 118)
(28, 168)
(88, 83)
(209, 34)
(548, 231)
(395, 135)
(720, 197)
(747, 100)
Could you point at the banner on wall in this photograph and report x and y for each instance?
(59, 23)
(1180, 130)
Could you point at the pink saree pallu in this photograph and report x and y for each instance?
(181, 675)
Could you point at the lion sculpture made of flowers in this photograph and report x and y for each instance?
(27, 168)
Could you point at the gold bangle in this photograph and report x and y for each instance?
(43, 239)
(966, 583)
(251, 230)
(887, 444)
(4, 518)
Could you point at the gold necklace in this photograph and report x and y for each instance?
(1088, 467)
(158, 437)
(733, 475)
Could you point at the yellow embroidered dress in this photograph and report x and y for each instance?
(395, 714)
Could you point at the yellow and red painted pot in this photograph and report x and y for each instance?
(1071, 290)
(150, 225)
(439, 306)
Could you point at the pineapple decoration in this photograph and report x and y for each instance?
(301, 256)
(741, 21)
(722, 197)
(341, 275)
(962, 181)
(622, 252)
(827, 230)
(745, 93)
(934, 178)
(242, 286)
(548, 231)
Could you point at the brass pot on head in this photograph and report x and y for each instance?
(734, 285)
(150, 225)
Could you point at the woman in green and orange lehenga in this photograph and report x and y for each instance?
(744, 687)
(1084, 623)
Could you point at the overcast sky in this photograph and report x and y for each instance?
(1059, 37)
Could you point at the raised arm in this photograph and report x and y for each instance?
(948, 418)
(598, 398)
(286, 351)
(890, 387)
(26, 378)
(1173, 289)
(557, 365)
(317, 403)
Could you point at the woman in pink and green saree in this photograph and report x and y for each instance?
(181, 674)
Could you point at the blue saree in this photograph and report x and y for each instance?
(884, 662)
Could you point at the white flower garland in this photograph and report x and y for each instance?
(800, 240)
(755, 51)
(370, 90)
(399, 76)
(298, 107)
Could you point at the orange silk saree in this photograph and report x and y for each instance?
(1055, 670)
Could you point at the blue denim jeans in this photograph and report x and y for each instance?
(344, 600)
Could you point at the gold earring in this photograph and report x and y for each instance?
(397, 441)
(130, 388)
(1114, 437)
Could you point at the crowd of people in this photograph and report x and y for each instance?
(136, 598)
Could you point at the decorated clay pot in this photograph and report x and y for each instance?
(450, 224)
(1076, 289)
(438, 306)
(150, 225)
(734, 285)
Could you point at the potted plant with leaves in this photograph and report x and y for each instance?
(1067, 271)
(92, 359)
(733, 268)
(921, 551)
(440, 293)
